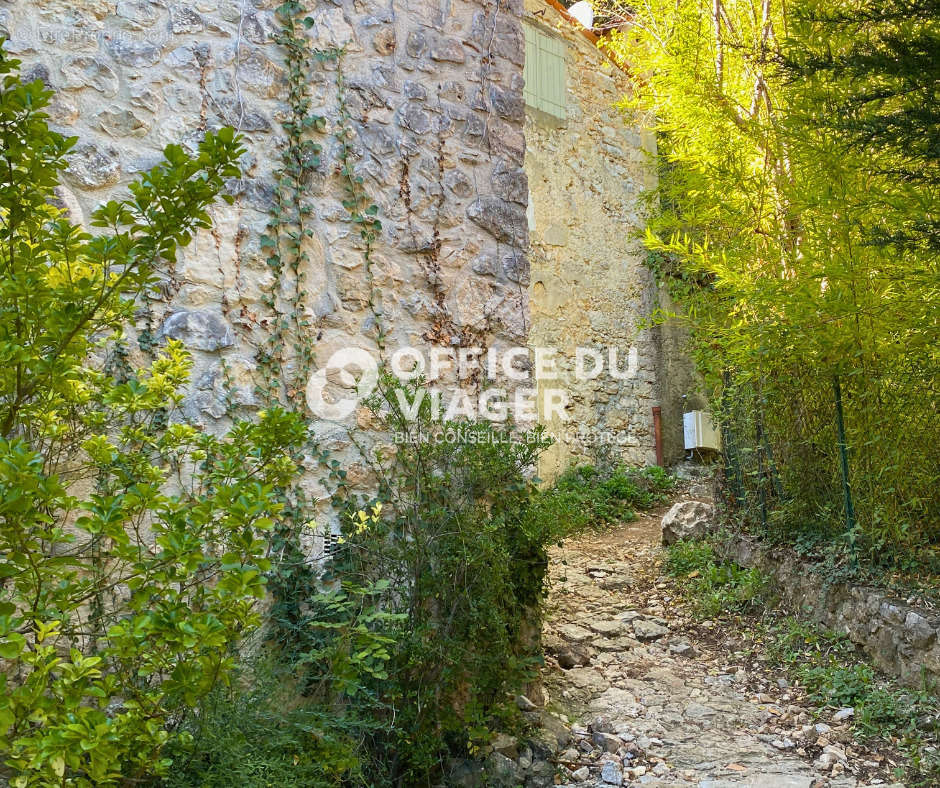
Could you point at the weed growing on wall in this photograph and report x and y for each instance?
(286, 358)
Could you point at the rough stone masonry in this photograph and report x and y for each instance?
(436, 120)
(589, 286)
(434, 95)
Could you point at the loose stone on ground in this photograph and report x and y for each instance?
(647, 699)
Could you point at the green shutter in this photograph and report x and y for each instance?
(530, 69)
(544, 72)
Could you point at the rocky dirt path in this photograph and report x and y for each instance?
(653, 698)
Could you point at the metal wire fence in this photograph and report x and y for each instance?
(849, 460)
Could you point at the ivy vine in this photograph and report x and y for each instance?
(286, 359)
(362, 210)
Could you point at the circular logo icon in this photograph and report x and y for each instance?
(341, 360)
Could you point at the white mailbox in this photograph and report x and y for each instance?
(699, 431)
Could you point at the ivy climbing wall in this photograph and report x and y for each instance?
(382, 201)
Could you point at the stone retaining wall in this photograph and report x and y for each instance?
(901, 639)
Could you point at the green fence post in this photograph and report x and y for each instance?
(760, 475)
(844, 461)
(732, 464)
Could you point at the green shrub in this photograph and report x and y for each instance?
(606, 495)
(262, 731)
(425, 622)
(687, 556)
(306, 711)
(462, 541)
(716, 587)
(407, 648)
(123, 590)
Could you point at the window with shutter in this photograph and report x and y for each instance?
(544, 72)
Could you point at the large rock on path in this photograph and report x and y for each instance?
(687, 520)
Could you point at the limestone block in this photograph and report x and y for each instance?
(200, 330)
(505, 221)
(448, 50)
(510, 182)
(119, 122)
(84, 71)
(507, 103)
(687, 520)
(185, 19)
(385, 41)
(94, 167)
(134, 54)
(138, 13)
(331, 30)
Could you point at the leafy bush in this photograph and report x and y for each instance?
(611, 494)
(306, 709)
(716, 587)
(406, 650)
(130, 551)
(262, 731)
(462, 542)
(689, 556)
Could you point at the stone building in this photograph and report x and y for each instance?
(426, 104)
(588, 163)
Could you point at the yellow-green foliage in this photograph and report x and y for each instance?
(131, 555)
(800, 252)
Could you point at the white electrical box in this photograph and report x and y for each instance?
(699, 431)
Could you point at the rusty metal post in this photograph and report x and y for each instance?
(658, 434)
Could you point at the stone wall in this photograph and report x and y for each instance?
(588, 286)
(902, 639)
(680, 386)
(436, 128)
(434, 98)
